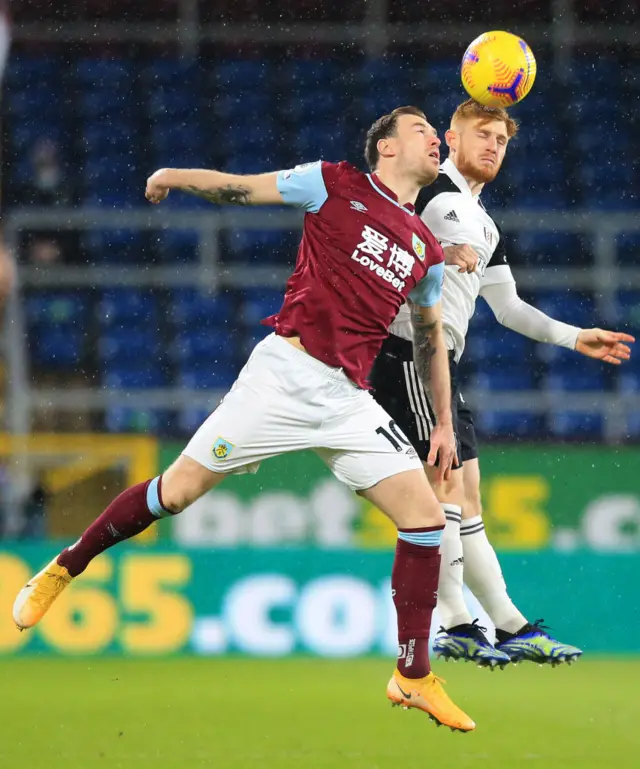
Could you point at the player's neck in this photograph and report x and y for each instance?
(406, 190)
(474, 186)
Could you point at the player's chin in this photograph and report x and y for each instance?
(429, 175)
(486, 172)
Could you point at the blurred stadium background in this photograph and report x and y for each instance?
(126, 324)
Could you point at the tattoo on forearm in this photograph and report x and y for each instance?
(423, 348)
(240, 196)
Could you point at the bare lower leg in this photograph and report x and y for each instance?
(136, 508)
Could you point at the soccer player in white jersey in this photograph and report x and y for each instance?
(363, 252)
(476, 260)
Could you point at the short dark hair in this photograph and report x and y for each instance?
(384, 127)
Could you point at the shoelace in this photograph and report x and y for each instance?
(539, 626)
(476, 624)
(473, 626)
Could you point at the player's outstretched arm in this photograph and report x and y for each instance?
(514, 313)
(215, 186)
(431, 361)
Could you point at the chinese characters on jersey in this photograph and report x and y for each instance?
(390, 262)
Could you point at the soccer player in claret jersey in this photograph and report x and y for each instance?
(476, 259)
(363, 252)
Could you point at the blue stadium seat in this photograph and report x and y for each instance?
(494, 346)
(172, 102)
(366, 108)
(123, 419)
(105, 73)
(628, 309)
(25, 134)
(604, 75)
(190, 419)
(543, 198)
(122, 345)
(114, 246)
(243, 74)
(305, 75)
(568, 306)
(611, 198)
(98, 173)
(483, 316)
(212, 345)
(557, 358)
(629, 380)
(103, 103)
(177, 245)
(628, 252)
(443, 76)
(575, 425)
(259, 303)
(208, 375)
(504, 380)
(171, 71)
(508, 424)
(550, 247)
(58, 346)
(581, 380)
(57, 309)
(314, 106)
(104, 137)
(28, 70)
(261, 136)
(326, 142)
(130, 377)
(173, 140)
(234, 107)
(191, 308)
(263, 245)
(128, 306)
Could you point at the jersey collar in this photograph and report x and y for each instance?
(457, 178)
(390, 195)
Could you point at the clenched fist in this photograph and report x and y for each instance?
(157, 186)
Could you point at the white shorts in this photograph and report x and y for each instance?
(285, 400)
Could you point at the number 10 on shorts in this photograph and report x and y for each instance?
(395, 436)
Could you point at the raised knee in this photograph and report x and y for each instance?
(433, 515)
(163, 498)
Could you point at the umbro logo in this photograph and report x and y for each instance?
(358, 206)
(452, 217)
(457, 562)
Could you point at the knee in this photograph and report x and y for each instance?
(430, 513)
(183, 483)
(173, 500)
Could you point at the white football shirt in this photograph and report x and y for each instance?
(457, 217)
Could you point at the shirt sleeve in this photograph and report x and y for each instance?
(428, 291)
(514, 313)
(304, 186)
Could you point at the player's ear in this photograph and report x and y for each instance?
(451, 138)
(385, 147)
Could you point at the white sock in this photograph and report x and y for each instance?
(451, 605)
(483, 576)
